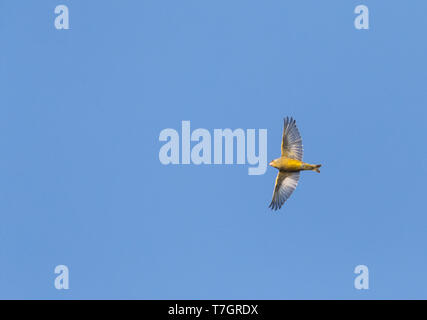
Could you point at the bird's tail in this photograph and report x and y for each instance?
(316, 167)
(312, 167)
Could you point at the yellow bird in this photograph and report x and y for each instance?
(289, 164)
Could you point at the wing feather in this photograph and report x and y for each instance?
(291, 140)
(286, 182)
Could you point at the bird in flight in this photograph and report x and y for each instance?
(289, 164)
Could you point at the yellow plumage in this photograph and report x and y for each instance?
(289, 164)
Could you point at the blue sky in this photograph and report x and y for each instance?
(81, 183)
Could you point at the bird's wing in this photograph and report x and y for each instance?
(291, 140)
(286, 182)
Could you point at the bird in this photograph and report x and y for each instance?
(289, 164)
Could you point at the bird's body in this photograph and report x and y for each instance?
(289, 164)
(292, 165)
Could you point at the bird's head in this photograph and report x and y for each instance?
(273, 163)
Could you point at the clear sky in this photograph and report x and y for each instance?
(81, 183)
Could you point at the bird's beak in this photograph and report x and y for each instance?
(271, 163)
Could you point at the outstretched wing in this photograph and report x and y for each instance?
(291, 140)
(286, 182)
